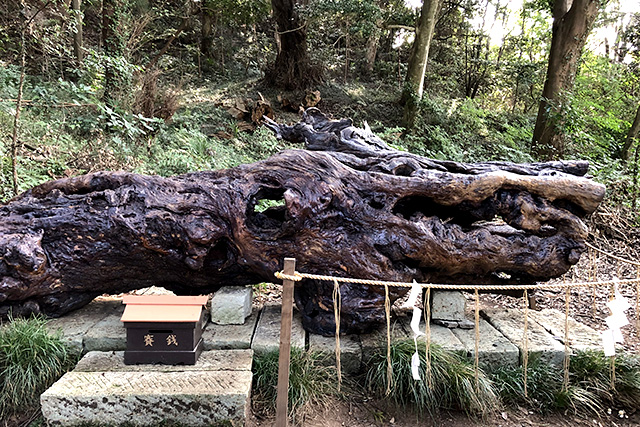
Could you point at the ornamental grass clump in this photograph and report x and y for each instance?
(310, 379)
(452, 385)
(31, 359)
(589, 388)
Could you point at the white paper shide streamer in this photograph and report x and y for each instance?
(615, 322)
(415, 327)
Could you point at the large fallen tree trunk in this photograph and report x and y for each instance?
(357, 208)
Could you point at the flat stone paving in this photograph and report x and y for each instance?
(103, 390)
(217, 388)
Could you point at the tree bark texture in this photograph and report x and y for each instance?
(414, 85)
(572, 21)
(347, 206)
(292, 69)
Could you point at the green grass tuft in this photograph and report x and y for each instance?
(310, 379)
(589, 388)
(453, 381)
(31, 359)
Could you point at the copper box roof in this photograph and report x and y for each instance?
(163, 308)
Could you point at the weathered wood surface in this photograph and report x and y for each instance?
(355, 208)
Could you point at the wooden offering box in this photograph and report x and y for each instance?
(163, 328)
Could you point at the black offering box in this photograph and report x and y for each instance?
(163, 328)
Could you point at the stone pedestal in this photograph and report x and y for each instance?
(231, 305)
(447, 305)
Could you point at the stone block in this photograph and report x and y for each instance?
(208, 393)
(494, 349)
(109, 334)
(217, 360)
(231, 305)
(350, 351)
(222, 337)
(447, 305)
(540, 343)
(267, 335)
(581, 336)
(75, 325)
(401, 331)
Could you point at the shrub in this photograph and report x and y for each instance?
(31, 359)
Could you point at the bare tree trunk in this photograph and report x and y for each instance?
(572, 22)
(372, 49)
(292, 69)
(112, 46)
(414, 83)
(206, 35)
(16, 119)
(77, 35)
(632, 135)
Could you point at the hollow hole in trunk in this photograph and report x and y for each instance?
(267, 209)
(413, 208)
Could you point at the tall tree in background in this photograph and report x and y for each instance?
(206, 32)
(572, 21)
(113, 47)
(77, 35)
(292, 69)
(414, 84)
(632, 135)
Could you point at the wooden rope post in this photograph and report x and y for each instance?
(282, 399)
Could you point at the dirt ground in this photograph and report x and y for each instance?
(363, 412)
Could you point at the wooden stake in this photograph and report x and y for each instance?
(285, 344)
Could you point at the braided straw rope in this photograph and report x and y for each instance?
(300, 276)
(525, 341)
(297, 276)
(427, 332)
(387, 313)
(567, 351)
(337, 306)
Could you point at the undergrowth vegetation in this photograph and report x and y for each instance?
(311, 380)
(452, 383)
(31, 359)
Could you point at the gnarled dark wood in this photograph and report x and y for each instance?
(357, 208)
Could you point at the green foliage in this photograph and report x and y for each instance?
(461, 130)
(589, 388)
(31, 359)
(310, 379)
(452, 381)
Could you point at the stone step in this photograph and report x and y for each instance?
(267, 335)
(224, 337)
(102, 389)
(581, 336)
(76, 325)
(350, 351)
(401, 331)
(494, 349)
(540, 343)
